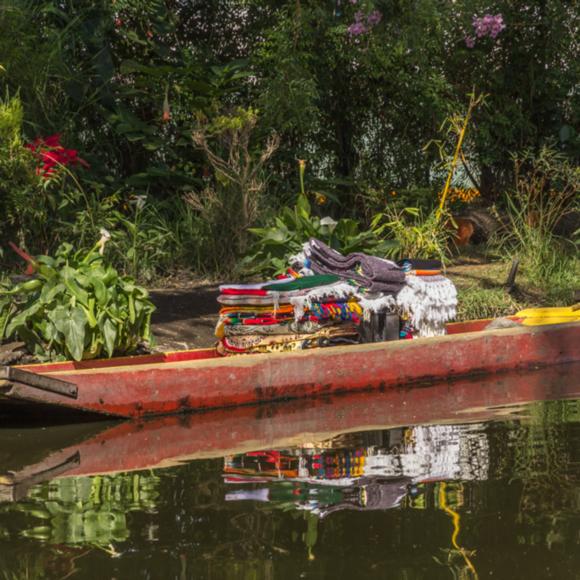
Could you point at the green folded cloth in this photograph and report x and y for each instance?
(303, 283)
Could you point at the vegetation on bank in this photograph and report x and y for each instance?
(76, 308)
(215, 138)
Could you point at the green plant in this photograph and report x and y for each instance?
(293, 227)
(415, 234)
(77, 307)
(546, 189)
(239, 171)
(18, 181)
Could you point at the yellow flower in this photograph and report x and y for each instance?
(320, 198)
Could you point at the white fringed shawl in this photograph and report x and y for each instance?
(429, 302)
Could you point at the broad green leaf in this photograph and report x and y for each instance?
(46, 260)
(110, 336)
(131, 309)
(75, 332)
(303, 206)
(22, 318)
(68, 275)
(100, 290)
(89, 315)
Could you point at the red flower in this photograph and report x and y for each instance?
(53, 155)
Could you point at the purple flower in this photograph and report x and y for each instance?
(353, 1)
(359, 16)
(469, 41)
(374, 18)
(357, 28)
(488, 25)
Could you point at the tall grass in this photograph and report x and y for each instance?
(545, 190)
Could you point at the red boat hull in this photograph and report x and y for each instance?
(143, 386)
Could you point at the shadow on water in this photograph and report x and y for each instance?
(470, 479)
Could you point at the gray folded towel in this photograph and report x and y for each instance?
(374, 274)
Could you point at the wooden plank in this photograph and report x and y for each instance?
(38, 381)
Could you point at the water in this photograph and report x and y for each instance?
(469, 480)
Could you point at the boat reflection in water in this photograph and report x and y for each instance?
(365, 471)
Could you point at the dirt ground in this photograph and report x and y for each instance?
(185, 317)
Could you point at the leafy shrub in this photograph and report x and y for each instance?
(77, 307)
(414, 233)
(239, 172)
(18, 180)
(293, 227)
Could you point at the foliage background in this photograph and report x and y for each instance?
(126, 82)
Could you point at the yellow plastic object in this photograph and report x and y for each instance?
(541, 316)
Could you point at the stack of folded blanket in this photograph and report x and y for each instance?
(369, 273)
(288, 314)
(326, 296)
(413, 288)
(428, 301)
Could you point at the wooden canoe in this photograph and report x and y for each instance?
(41, 454)
(162, 384)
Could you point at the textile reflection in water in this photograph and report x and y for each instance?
(324, 477)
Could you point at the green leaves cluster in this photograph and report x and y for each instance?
(295, 226)
(77, 308)
(416, 234)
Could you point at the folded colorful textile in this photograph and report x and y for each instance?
(303, 283)
(290, 327)
(285, 343)
(374, 303)
(334, 311)
(319, 312)
(252, 315)
(425, 272)
(341, 291)
(258, 286)
(334, 289)
(275, 299)
(429, 303)
(283, 309)
(243, 292)
(374, 274)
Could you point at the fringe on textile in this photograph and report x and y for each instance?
(429, 303)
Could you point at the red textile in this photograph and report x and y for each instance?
(235, 292)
